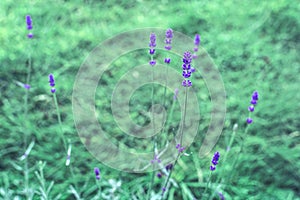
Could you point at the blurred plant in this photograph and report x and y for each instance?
(44, 190)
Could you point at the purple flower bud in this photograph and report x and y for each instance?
(197, 40)
(26, 86)
(29, 27)
(214, 161)
(221, 196)
(159, 175)
(255, 96)
(53, 90)
(152, 43)
(251, 108)
(152, 62)
(28, 20)
(30, 35)
(249, 120)
(97, 173)
(151, 51)
(192, 70)
(169, 167)
(51, 80)
(167, 60)
(212, 167)
(169, 33)
(253, 102)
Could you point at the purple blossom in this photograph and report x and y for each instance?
(249, 120)
(52, 83)
(251, 108)
(168, 40)
(29, 25)
(197, 40)
(152, 43)
(152, 62)
(186, 67)
(26, 86)
(97, 173)
(159, 175)
(214, 161)
(156, 159)
(221, 196)
(253, 102)
(169, 167)
(180, 148)
(167, 60)
(30, 35)
(197, 43)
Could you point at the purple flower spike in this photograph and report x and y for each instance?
(214, 161)
(152, 43)
(51, 80)
(168, 41)
(186, 67)
(28, 20)
(197, 40)
(249, 120)
(97, 173)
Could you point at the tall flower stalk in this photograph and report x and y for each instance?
(27, 87)
(186, 73)
(152, 62)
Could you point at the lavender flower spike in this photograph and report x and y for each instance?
(214, 161)
(52, 83)
(152, 43)
(29, 26)
(97, 173)
(186, 67)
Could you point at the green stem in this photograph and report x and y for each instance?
(184, 114)
(204, 193)
(154, 140)
(59, 120)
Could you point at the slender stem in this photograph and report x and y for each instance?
(59, 120)
(204, 193)
(181, 138)
(169, 176)
(26, 170)
(154, 140)
(184, 114)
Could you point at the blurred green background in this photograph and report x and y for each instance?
(254, 44)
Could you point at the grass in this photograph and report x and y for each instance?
(254, 46)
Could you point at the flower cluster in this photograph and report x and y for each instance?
(214, 161)
(197, 43)
(29, 26)
(156, 159)
(187, 69)
(180, 148)
(97, 173)
(168, 40)
(52, 83)
(253, 102)
(152, 46)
